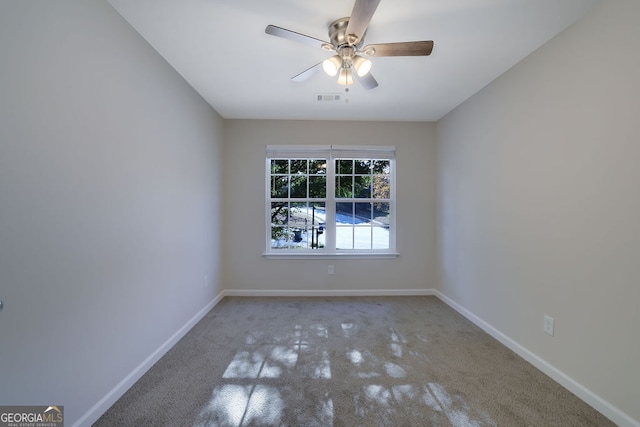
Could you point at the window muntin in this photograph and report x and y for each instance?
(335, 203)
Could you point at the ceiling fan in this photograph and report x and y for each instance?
(346, 37)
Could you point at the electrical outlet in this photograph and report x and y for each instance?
(548, 324)
(331, 270)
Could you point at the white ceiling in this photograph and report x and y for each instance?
(221, 49)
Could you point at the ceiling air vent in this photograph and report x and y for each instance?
(322, 97)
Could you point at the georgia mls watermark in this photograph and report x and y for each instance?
(32, 416)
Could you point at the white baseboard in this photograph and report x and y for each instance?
(114, 394)
(605, 408)
(327, 292)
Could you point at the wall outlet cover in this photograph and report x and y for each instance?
(548, 324)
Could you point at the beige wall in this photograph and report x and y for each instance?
(109, 203)
(244, 153)
(539, 203)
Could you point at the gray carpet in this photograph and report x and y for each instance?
(365, 361)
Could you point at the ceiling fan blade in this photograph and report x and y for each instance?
(368, 82)
(306, 74)
(361, 15)
(421, 48)
(292, 35)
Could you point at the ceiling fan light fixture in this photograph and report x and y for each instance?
(346, 77)
(361, 65)
(346, 37)
(332, 65)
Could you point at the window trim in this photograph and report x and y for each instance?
(331, 153)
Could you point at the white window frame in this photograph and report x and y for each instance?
(331, 153)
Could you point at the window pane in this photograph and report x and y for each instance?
(363, 213)
(362, 237)
(298, 218)
(318, 213)
(344, 166)
(344, 237)
(380, 237)
(317, 167)
(344, 186)
(280, 237)
(381, 187)
(381, 212)
(318, 210)
(344, 234)
(279, 166)
(344, 213)
(362, 186)
(279, 213)
(381, 166)
(279, 186)
(318, 241)
(298, 167)
(318, 187)
(363, 167)
(316, 233)
(298, 186)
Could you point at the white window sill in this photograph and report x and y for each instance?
(361, 255)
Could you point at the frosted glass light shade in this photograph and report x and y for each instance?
(332, 65)
(362, 65)
(346, 77)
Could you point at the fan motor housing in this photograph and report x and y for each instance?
(338, 33)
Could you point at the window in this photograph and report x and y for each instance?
(330, 200)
